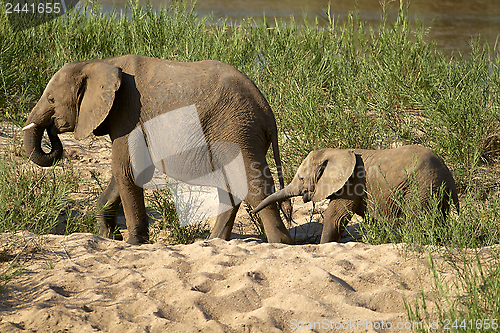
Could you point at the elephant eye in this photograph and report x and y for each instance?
(51, 100)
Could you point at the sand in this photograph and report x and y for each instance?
(85, 283)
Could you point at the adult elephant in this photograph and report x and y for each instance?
(118, 95)
(357, 180)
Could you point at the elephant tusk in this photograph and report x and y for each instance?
(27, 127)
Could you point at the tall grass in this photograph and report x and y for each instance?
(31, 199)
(472, 303)
(38, 200)
(339, 86)
(477, 225)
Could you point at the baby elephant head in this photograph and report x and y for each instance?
(321, 174)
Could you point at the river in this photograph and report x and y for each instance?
(451, 23)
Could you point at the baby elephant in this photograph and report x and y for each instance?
(357, 179)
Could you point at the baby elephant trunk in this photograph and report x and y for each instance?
(278, 196)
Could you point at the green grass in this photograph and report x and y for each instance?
(11, 272)
(347, 86)
(164, 214)
(339, 86)
(37, 200)
(32, 199)
(477, 306)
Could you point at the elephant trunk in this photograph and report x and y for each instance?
(33, 145)
(284, 194)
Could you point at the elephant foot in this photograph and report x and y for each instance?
(109, 232)
(137, 240)
(282, 237)
(224, 224)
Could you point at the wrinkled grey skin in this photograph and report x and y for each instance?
(114, 96)
(346, 176)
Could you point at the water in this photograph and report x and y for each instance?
(451, 23)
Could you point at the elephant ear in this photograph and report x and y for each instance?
(333, 172)
(100, 83)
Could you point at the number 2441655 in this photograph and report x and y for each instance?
(40, 8)
(480, 324)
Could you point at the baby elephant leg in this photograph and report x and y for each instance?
(337, 216)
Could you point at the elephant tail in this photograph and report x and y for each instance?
(286, 205)
(277, 159)
(454, 197)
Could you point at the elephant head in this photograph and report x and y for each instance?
(321, 174)
(78, 98)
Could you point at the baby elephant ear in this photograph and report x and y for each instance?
(333, 172)
(100, 82)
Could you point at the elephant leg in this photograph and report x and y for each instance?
(261, 185)
(337, 216)
(108, 203)
(132, 196)
(224, 224)
(135, 212)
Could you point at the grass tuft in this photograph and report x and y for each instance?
(167, 227)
